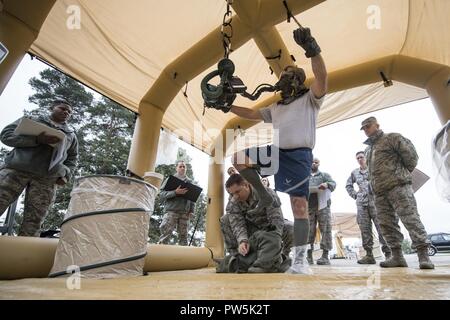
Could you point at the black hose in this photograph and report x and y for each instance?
(259, 89)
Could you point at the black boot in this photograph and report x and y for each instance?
(324, 260)
(309, 256)
(395, 261)
(424, 259)
(368, 259)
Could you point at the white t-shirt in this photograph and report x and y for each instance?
(295, 123)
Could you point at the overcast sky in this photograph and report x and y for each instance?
(336, 146)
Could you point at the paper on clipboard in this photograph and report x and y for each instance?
(418, 179)
(28, 127)
(3, 52)
(323, 197)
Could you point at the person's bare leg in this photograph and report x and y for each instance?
(244, 165)
(301, 232)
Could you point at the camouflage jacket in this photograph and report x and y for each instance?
(390, 158)
(174, 203)
(315, 181)
(244, 224)
(361, 178)
(29, 156)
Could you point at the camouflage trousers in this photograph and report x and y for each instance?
(400, 203)
(265, 252)
(170, 222)
(39, 195)
(323, 218)
(231, 245)
(365, 216)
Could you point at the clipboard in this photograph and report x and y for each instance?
(3, 52)
(30, 127)
(193, 190)
(418, 179)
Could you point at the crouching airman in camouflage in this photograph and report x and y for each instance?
(256, 234)
(231, 244)
(366, 211)
(391, 158)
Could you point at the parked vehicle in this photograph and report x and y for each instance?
(438, 242)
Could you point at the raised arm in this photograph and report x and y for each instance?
(304, 39)
(246, 113)
(320, 83)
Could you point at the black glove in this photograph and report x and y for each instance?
(304, 39)
(222, 108)
(225, 109)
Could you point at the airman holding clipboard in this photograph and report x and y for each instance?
(44, 155)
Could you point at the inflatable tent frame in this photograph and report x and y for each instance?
(21, 22)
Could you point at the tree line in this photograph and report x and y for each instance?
(104, 130)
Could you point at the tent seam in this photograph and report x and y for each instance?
(407, 28)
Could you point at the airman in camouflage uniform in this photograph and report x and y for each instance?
(231, 244)
(366, 210)
(256, 234)
(322, 181)
(178, 210)
(27, 167)
(391, 158)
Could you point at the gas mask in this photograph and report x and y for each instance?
(291, 84)
(222, 96)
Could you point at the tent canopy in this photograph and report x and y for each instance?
(144, 52)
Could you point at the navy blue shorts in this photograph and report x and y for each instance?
(291, 167)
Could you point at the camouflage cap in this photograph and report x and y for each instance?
(367, 121)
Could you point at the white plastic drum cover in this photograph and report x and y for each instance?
(105, 230)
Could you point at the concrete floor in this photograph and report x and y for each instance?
(344, 279)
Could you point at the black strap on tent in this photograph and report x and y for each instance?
(275, 57)
(290, 15)
(386, 81)
(185, 90)
(288, 12)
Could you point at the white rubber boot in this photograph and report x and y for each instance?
(299, 263)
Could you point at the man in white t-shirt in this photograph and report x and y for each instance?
(294, 119)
